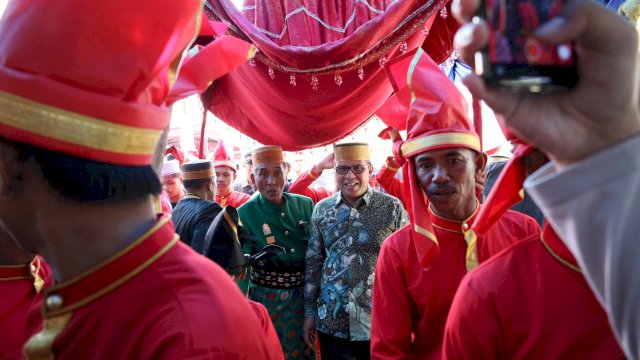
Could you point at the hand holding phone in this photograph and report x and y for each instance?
(601, 110)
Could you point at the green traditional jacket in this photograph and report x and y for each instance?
(287, 225)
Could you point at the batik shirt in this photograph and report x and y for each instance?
(341, 261)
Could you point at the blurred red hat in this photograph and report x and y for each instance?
(221, 156)
(90, 78)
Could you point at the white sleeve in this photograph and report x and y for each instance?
(594, 206)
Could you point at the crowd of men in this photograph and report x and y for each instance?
(91, 268)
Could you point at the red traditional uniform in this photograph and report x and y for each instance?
(301, 186)
(222, 160)
(420, 267)
(529, 302)
(96, 87)
(410, 304)
(232, 198)
(153, 300)
(21, 296)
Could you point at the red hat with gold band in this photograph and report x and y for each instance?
(90, 78)
(438, 119)
(221, 156)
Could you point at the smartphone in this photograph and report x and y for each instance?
(514, 58)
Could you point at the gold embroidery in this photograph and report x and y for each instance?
(267, 154)
(74, 128)
(453, 139)
(351, 151)
(38, 347)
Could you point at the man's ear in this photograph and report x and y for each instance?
(481, 163)
(235, 175)
(253, 178)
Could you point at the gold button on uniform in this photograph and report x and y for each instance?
(465, 226)
(54, 302)
(282, 215)
(286, 232)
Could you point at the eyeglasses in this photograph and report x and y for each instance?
(355, 169)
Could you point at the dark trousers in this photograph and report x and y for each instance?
(335, 348)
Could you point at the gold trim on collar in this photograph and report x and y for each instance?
(558, 257)
(140, 239)
(410, 147)
(427, 233)
(198, 174)
(118, 282)
(55, 123)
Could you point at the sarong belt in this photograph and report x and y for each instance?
(277, 280)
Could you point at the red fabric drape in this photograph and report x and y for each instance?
(318, 75)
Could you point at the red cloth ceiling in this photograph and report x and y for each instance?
(318, 75)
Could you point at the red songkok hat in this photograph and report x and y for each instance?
(90, 78)
(221, 157)
(438, 118)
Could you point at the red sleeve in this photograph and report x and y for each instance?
(240, 198)
(473, 329)
(387, 179)
(301, 187)
(391, 325)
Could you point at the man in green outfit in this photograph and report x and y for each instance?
(275, 217)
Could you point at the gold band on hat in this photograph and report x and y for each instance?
(62, 125)
(267, 154)
(351, 151)
(453, 139)
(198, 174)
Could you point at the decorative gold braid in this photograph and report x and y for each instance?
(361, 60)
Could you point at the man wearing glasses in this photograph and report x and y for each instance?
(346, 234)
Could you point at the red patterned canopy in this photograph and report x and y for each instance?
(318, 75)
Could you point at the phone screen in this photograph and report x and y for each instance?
(514, 57)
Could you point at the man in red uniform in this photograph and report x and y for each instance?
(302, 185)
(421, 265)
(22, 277)
(225, 176)
(81, 112)
(529, 302)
